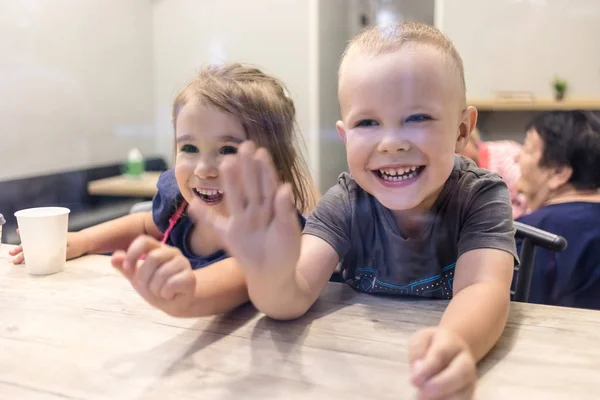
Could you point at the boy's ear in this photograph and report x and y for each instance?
(341, 131)
(467, 124)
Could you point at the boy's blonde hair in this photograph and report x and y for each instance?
(267, 114)
(377, 40)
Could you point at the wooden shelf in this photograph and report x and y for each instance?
(535, 105)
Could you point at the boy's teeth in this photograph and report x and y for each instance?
(397, 171)
(398, 174)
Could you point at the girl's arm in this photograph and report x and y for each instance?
(107, 237)
(220, 288)
(165, 279)
(117, 234)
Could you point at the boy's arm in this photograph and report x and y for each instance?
(289, 295)
(484, 269)
(479, 309)
(443, 358)
(118, 234)
(284, 269)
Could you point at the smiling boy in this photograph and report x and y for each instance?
(411, 218)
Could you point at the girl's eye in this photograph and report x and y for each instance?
(365, 123)
(418, 118)
(228, 150)
(188, 148)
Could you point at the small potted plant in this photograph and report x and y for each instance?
(560, 88)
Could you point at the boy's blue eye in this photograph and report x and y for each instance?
(365, 123)
(188, 148)
(228, 150)
(418, 118)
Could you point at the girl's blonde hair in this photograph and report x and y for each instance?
(267, 114)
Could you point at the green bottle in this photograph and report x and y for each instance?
(135, 164)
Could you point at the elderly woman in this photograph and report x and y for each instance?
(560, 178)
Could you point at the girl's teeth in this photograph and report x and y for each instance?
(209, 192)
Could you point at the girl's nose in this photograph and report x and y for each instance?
(206, 169)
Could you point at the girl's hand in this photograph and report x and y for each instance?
(164, 278)
(76, 247)
(442, 365)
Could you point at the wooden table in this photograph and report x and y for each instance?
(122, 185)
(85, 334)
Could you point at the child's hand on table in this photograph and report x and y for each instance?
(76, 247)
(164, 278)
(442, 365)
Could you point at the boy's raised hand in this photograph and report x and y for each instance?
(164, 278)
(442, 366)
(262, 230)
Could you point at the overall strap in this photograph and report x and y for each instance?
(173, 221)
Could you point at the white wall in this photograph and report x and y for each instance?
(522, 45)
(409, 10)
(274, 35)
(75, 83)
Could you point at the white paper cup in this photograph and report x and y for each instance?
(43, 234)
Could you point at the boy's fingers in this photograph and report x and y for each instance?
(163, 273)
(232, 189)
(140, 246)
(268, 181)
(459, 375)
(250, 174)
(284, 206)
(419, 344)
(438, 356)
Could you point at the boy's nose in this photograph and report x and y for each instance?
(392, 142)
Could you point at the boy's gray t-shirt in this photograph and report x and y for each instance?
(473, 211)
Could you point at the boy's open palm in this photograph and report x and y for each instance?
(262, 230)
